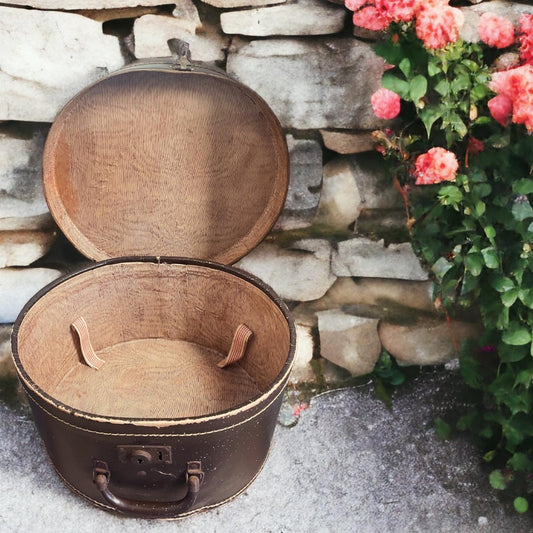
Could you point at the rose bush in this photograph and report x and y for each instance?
(463, 136)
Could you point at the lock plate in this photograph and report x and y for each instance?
(144, 455)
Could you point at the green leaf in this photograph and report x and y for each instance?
(450, 195)
(516, 336)
(509, 297)
(486, 432)
(490, 232)
(478, 92)
(520, 504)
(429, 115)
(483, 120)
(512, 354)
(524, 377)
(479, 208)
(518, 403)
(457, 124)
(502, 284)
(461, 83)
(471, 65)
(440, 267)
(523, 186)
(443, 87)
(433, 69)
(526, 297)
(442, 429)
(497, 480)
(482, 190)
(502, 321)
(471, 372)
(520, 461)
(391, 52)
(405, 66)
(394, 84)
(418, 88)
(468, 421)
(489, 456)
(474, 263)
(522, 208)
(490, 256)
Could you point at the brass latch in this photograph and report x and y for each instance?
(181, 54)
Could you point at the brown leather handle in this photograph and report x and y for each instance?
(148, 509)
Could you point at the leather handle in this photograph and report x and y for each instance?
(150, 509)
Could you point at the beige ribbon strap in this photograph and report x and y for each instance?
(89, 355)
(238, 345)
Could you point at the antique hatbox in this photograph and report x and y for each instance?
(156, 374)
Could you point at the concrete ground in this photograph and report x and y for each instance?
(348, 465)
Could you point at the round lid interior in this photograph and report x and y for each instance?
(166, 163)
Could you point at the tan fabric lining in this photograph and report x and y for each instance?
(162, 329)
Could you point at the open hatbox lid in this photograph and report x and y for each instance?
(166, 160)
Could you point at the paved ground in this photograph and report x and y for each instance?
(349, 465)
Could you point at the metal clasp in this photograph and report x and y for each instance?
(181, 54)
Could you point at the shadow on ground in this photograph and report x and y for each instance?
(349, 465)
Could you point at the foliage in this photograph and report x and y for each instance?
(386, 375)
(473, 224)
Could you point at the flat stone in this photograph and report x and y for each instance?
(379, 292)
(376, 186)
(340, 200)
(69, 5)
(427, 342)
(366, 258)
(333, 79)
(230, 4)
(301, 273)
(334, 376)
(349, 341)
(353, 184)
(511, 10)
(305, 175)
(391, 300)
(388, 224)
(302, 371)
(22, 203)
(18, 285)
(301, 17)
(46, 58)
(7, 367)
(365, 34)
(152, 32)
(21, 248)
(289, 221)
(348, 142)
(187, 12)
(105, 15)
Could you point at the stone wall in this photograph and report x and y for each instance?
(339, 255)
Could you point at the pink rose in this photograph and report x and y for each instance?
(475, 146)
(526, 38)
(515, 95)
(437, 24)
(496, 31)
(371, 18)
(501, 108)
(385, 104)
(398, 10)
(435, 166)
(354, 5)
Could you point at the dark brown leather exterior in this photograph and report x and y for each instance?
(231, 455)
(231, 446)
